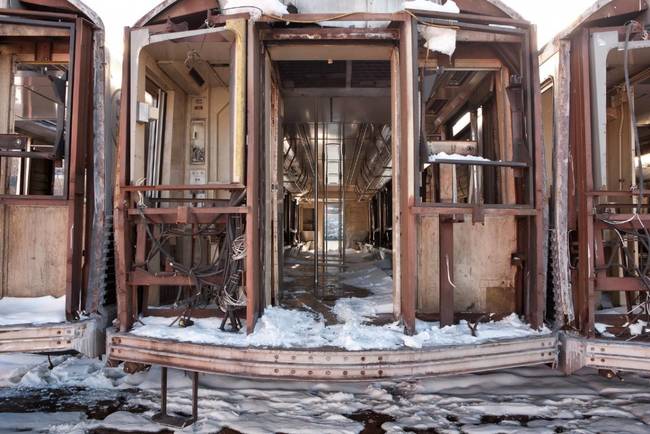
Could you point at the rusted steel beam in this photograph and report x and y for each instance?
(181, 187)
(38, 14)
(409, 132)
(425, 210)
(616, 284)
(352, 16)
(144, 278)
(539, 248)
(187, 215)
(80, 130)
(446, 269)
(312, 34)
(13, 142)
(123, 253)
(254, 105)
(175, 312)
(580, 136)
(329, 364)
(472, 18)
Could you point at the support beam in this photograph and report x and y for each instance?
(446, 270)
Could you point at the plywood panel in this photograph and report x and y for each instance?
(428, 252)
(482, 255)
(483, 275)
(356, 222)
(36, 250)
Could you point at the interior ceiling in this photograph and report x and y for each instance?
(638, 60)
(452, 91)
(329, 116)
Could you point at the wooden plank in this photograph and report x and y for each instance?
(35, 258)
(395, 91)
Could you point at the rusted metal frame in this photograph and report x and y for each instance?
(140, 277)
(38, 14)
(13, 142)
(622, 284)
(539, 242)
(176, 312)
(333, 364)
(446, 269)
(181, 187)
(466, 209)
(471, 18)
(253, 104)
(355, 16)
(123, 247)
(408, 160)
(81, 104)
(71, 26)
(581, 136)
(316, 34)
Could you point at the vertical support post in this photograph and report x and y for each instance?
(409, 131)
(446, 274)
(539, 245)
(163, 391)
(123, 251)
(79, 133)
(580, 136)
(195, 396)
(252, 176)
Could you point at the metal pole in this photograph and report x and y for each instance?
(163, 391)
(195, 396)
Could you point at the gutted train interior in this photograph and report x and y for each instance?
(336, 147)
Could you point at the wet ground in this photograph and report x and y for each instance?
(299, 290)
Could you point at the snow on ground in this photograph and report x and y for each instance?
(287, 328)
(31, 310)
(524, 400)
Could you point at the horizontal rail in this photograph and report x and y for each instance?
(329, 33)
(188, 215)
(333, 364)
(433, 209)
(68, 336)
(616, 355)
(352, 16)
(181, 187)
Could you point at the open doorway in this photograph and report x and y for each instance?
(336, 171)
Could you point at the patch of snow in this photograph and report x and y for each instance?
(440, 39)
(32, 310)
(442, 156)
(637, 328)
(490, 402)
(254, 8)
(285, 328)
(427, 5)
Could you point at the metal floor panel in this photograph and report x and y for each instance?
(333, 364)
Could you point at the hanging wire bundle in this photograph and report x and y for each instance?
(228, 261)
